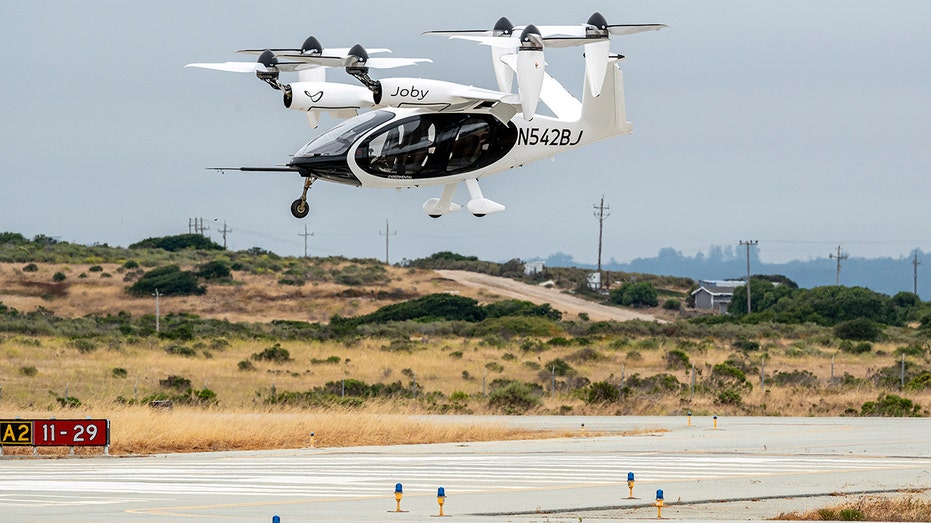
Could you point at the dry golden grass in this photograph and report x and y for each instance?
(435, 364)
(873, 508)
(253, 298)
(142, 430)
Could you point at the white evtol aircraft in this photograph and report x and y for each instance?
(431, 132)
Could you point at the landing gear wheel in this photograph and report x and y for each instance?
(300, 208)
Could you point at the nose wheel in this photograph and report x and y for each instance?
(300, 207)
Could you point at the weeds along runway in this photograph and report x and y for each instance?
(743, 459)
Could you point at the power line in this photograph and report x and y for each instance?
(305, 235)
(601, 215)
(388, 233)
(915, 264)
(748, 244)
(839, 257)
(224, 231)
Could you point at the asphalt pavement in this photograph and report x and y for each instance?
(740, 469)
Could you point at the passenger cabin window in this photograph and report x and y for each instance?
(435, 145)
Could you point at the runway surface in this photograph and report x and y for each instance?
(750, 460)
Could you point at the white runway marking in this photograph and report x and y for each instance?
(312, 476)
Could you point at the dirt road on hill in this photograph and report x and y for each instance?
(568, 304)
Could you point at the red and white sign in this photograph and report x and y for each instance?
(71, 432)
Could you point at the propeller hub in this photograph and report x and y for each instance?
(503, 27)
(311, 46)
(598, 21)
(531, 39)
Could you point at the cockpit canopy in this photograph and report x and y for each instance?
(430, 145)
(435, 145)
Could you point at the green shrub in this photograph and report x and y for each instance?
(746, 345)
(677, 359)
(559, 368)
(59, 277)
(276, 354)
(178, 243)
(169, 280)
(728, 397)
(84, 346)
(95, 268)
(31, 267)
(214, 270)
(798, 378)
(852, 348)
(245, 365)
(892, 406)
(494, 366)
(634, 294)
(119, 372)
(601, 392)
(456, 355)
(29, 371)
(513, 398)
(330, 360)
(181, 350)
(920, 382)
(175, 382)
(672, 305)
(857, 329)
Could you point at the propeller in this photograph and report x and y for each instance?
(530, 69)
(306, 61)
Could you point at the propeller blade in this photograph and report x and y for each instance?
(530, 71)
(503, 73)
(629, 29)
(596, 64)
(391, 63)
(233, 67)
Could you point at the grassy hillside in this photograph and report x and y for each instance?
(76, 343)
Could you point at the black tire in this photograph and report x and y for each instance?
(300, 208)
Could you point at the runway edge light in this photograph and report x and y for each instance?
(441, 499)
(630, 484)
(659, 503)
(398, 493)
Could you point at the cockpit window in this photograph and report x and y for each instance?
(337, 140)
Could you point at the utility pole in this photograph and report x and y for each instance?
(196, 226)
(388, 233)
(839, 257)
(305, 235)
(748, 243)
(915, 264)
(601, 214)
(157, 312)
(224, 231)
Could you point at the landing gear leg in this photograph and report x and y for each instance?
(300, 207)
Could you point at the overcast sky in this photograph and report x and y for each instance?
(800, 124)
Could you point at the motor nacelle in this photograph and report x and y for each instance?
(409, 92)
(324, 96)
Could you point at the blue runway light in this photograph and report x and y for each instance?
(441, 492)
(276, 519)
(398, 489)
(659, 494)
(630, 476)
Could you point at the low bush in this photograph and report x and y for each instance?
(890, 406)
(275, 353)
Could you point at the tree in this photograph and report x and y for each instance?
(634, 294)
(178, 243)
(170, 280)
